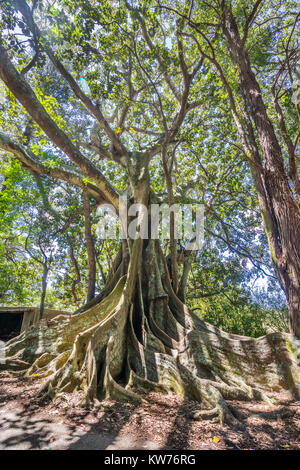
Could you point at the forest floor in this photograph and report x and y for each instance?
(163, 422)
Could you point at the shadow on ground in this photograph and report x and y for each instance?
(164, 422)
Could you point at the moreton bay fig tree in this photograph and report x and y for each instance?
(117, 92)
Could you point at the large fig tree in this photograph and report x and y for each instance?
(128, 94)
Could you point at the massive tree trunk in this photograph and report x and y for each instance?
(279, 207)
(44, 288)
(141, 337)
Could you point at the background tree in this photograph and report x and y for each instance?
(229, 36)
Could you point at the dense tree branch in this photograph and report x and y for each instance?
(160, 60)
(96, 112)
(23, 92)
(250, 19)
(77, 271)
(31, 63)
(31, 162)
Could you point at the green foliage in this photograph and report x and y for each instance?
(237, 313)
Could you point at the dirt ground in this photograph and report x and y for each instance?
(163, 422)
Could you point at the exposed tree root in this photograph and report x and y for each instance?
(141, 337)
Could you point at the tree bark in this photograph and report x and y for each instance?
(77, 272)
(89, 247)
(279, 208)
(44, 289)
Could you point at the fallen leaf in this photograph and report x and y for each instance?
(216, 440)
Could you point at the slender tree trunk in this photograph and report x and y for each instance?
(90, 247)
(44, 289)
(280, 209)
(78, 278)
